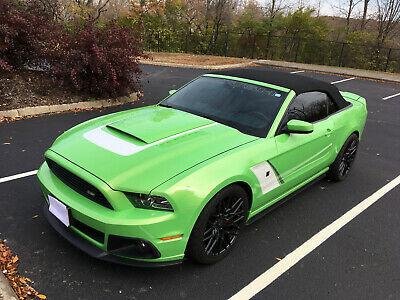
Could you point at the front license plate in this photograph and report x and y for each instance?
(59, 210)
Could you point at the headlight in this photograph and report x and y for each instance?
(149, 201)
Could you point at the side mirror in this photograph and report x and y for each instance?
(298, 126)
(171, 92)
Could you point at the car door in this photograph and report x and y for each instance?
(300, 156)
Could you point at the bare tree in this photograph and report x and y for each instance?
(116, 8)
(346, 9)
(92, 9)
(54, 8)
(388, 17)
(207, 12)
(350, 8)
(364, 16)
(274, 7)
(221, 11)
(319, 8)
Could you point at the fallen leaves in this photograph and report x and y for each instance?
(20, 284)
(9, 119)
(192, 59)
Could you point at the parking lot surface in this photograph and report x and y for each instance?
(362, 260)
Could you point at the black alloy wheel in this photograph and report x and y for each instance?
(348, 158)
(223, 225)
(341, 167)
(218, 226)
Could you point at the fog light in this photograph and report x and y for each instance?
(131, 247)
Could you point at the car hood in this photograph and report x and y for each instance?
(140, 149)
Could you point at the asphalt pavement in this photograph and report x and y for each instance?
(360, 261)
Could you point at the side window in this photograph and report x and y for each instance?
(310, 107)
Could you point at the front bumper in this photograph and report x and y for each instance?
(95, 252)
(93, 226)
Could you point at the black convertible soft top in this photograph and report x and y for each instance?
(299, 84)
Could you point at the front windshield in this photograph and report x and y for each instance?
(247, 107)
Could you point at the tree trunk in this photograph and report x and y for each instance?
(364, 16)
(272, 9)
(349, 11)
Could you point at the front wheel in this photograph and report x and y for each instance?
(219, 225)
(340, 168)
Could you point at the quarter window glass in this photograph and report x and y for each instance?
(332, 107)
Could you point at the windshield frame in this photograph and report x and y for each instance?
(239, 79)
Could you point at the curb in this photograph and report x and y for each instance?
(48, 109)
(209, 67)
(367, 74)
(6, 292)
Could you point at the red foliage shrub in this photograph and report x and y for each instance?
(99, 61)
(25, 35)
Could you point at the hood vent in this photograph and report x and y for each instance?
(124, 133)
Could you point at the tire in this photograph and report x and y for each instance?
(340, 168)
(218, 226)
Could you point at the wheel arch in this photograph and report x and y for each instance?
(246, 187)
(219, 187)
(241, 182)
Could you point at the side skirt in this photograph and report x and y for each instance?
(287, 196)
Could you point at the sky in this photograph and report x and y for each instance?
(328, 7)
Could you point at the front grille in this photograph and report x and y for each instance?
(79, 185)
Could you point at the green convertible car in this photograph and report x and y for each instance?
(153, 185)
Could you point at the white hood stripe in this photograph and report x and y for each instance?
(112, 143)
(105, 140)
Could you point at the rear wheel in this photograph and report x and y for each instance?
(341, 166)
(219, 225)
